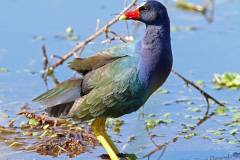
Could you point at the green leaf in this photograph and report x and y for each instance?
(221, 110)
(151, 124)
(190, 135)
(187, 116)
(130, 157)
(236, 116)
(234, 131)
(199, 82)
(163, 91)
(194, 109)
(45, 126)
(69, 30)
(33, 122)
(118, 122)
(3, 70)
(166, 115)
(232, 142)
(215, 132)
(35, 133)
(229, 80)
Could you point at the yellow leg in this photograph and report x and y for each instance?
(98, 127)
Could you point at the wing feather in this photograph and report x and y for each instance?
(65, 92)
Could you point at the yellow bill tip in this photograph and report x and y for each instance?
(122, 17)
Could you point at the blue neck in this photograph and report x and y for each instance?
(156, 57)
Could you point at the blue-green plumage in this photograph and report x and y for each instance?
(115, 91)
(118, 80)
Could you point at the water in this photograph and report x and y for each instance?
(212, 48)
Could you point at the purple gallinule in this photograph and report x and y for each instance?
(119, 80)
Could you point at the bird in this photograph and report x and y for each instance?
(118, 80)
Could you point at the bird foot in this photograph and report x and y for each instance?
(122, 156)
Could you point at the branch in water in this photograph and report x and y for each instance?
(204, 93)
(45, 72)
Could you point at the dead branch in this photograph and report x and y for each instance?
(204, 93)
(118, 36)
(45, 71)
(45, 65)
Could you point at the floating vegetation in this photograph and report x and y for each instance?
(234, 131)
(69, 35)
(235, 120)
(199, 82)
(47, 136)
(190, 135)
(3, 70)
(229, 80)
(221, 110)
(194, 109)
(152, 123)
(163, 91)
(215, 132)
(115, 124)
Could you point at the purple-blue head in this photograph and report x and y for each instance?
(151, 13)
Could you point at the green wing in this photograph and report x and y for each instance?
(114, 85)
(84, 65)
(63, 93)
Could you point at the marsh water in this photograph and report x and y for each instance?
(200, 49)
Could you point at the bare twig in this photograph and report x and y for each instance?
(204, 93)
(157, 148)
(56, 56)
(45, 58)
(46, 72)
(45, 65)
(118, 36)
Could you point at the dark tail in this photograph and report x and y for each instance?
(59, 110)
